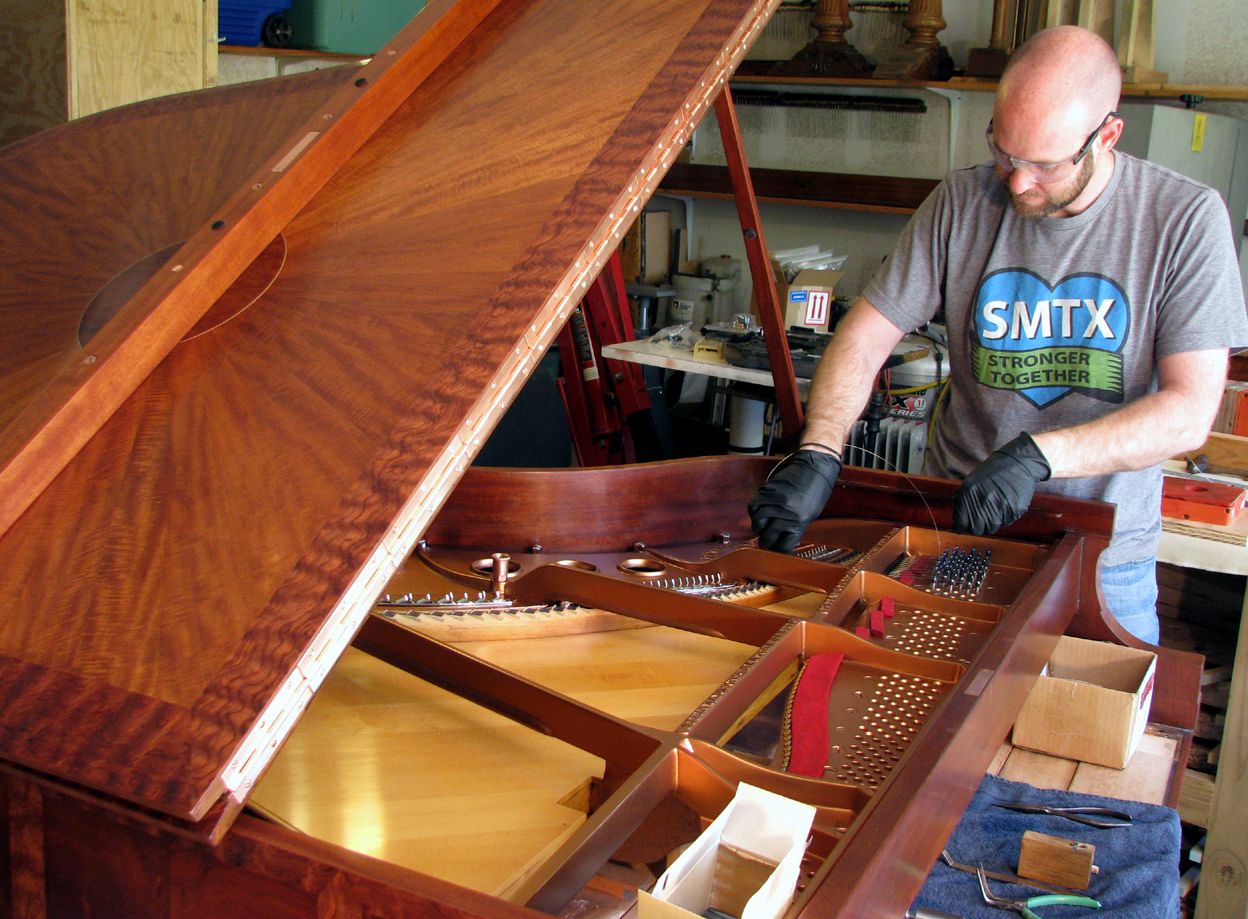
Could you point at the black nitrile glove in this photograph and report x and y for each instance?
(998, 491)
(794, 495)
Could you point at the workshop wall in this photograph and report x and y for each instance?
(1187, 49)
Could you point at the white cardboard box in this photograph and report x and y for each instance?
(745, 864)
(1090, 703)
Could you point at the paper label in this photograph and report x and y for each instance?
(818, 308)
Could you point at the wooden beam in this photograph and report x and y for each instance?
(1225, 450)
(1224, 892)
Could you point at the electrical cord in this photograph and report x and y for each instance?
(913, 389)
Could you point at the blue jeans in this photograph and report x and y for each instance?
(1131, 595)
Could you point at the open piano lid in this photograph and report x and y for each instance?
(177, 592)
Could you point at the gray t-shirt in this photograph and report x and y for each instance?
(1053, 322)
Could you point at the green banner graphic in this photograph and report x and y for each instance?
(1085, 369)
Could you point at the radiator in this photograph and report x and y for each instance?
(899, 447)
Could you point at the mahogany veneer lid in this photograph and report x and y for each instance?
(176, 594)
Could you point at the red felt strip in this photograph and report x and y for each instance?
(888, 605)
(808, 726)
(862, 631)
(877, 622)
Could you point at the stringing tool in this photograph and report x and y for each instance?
(1085, 815)
(1001, 876)
(1024, 906)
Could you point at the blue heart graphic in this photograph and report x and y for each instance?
(1045, 341)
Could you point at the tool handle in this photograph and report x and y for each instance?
(1063, 899)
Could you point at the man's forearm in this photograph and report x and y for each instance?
(846, 374)
(1172, 420)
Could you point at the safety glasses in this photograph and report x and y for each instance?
(1044, 172)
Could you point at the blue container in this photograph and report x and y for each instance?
(254, 22)
(360, 27)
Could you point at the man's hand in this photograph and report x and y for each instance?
(794, 495)
(998, 490)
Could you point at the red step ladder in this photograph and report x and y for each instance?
(601, 395)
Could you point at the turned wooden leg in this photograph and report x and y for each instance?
(990, 61)
(923, 57)
(829, 55)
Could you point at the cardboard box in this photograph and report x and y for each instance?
(745, 864)
(807, 300)
(1090, 703)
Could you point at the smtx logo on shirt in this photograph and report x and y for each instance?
(1044, 341)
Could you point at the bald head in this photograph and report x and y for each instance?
(1063, 78)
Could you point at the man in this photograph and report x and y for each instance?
(1091, 299)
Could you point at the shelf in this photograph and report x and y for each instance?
(301, 53)
(888, 194)
(1219, 93)
(885, 194)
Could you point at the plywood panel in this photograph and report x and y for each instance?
(65, 60)
(124, 52)
(209, 33)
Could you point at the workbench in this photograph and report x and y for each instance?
(1223, 891)
(746, 427)
(661, 354)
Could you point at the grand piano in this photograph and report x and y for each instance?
(250, 341)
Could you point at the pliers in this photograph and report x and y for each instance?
(1024, 906)
(1077, 814)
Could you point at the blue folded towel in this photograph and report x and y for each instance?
(1139, 864)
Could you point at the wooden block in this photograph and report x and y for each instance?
(998, 761)
(1039, 769)
(1216, 675)
(1209, 726)
(1146, 776)
(1055, 860)
(1216, 695)
(1195, 798)
(1189, 879)
(1224, 449)
(1198, 756)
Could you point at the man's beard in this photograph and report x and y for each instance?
(1059, 196)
